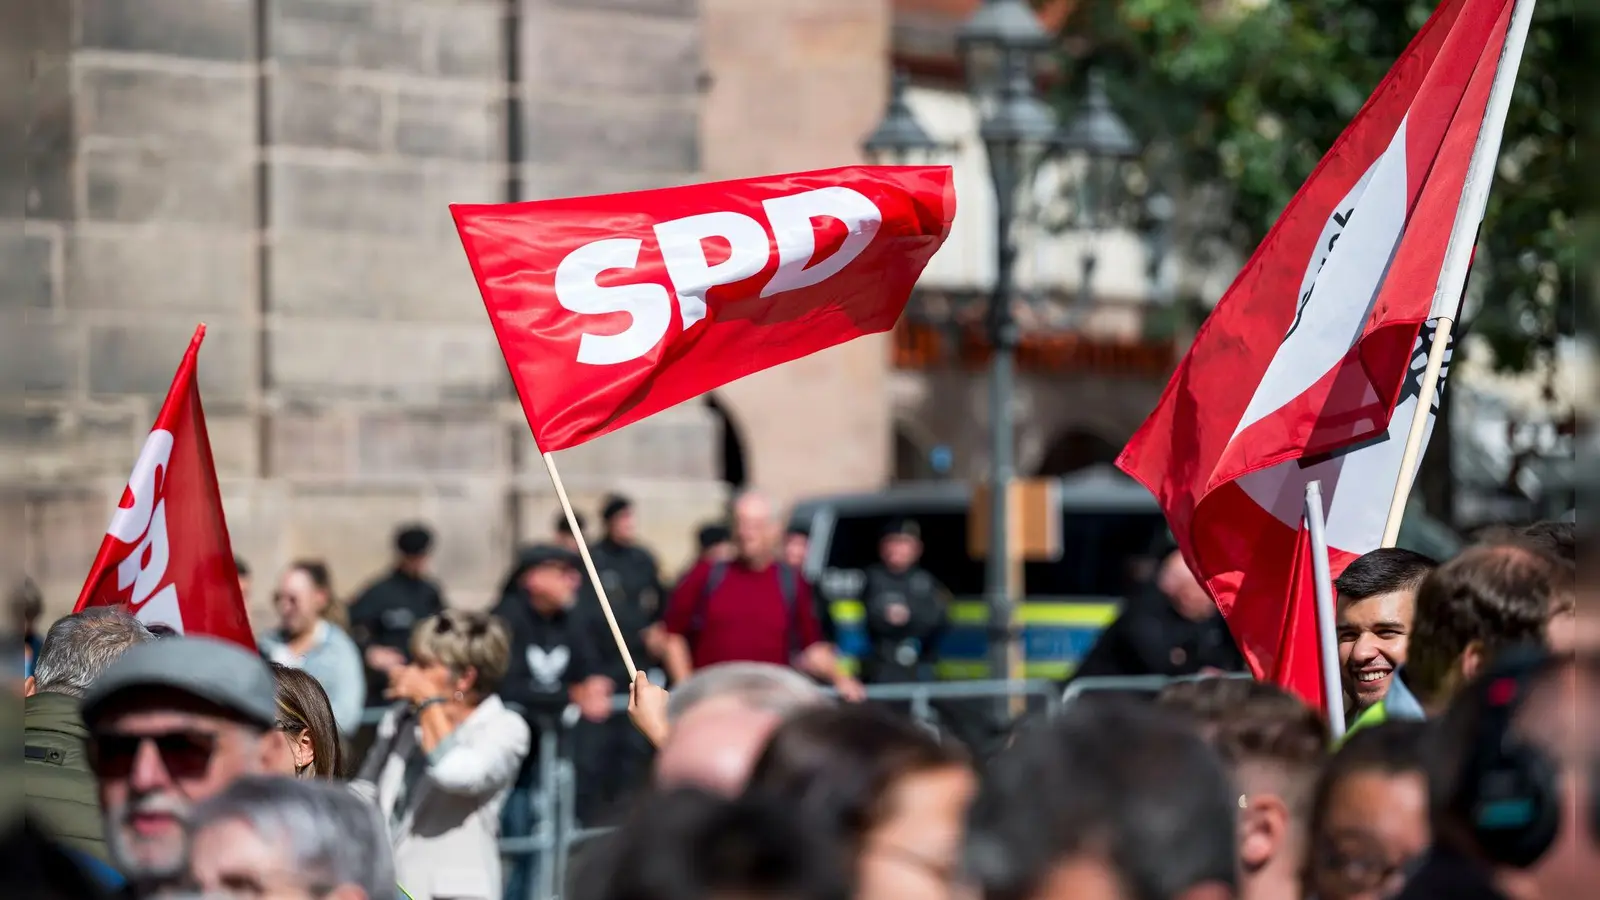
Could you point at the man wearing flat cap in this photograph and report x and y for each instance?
(907, 610)
(384, 613)
(171, 724)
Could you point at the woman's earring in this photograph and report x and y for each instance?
(460, 696)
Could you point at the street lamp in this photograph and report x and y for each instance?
(1102, 142)
(899, 138)
(998, 46)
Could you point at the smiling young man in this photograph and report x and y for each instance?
(1377, 599)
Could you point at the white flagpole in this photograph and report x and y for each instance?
(588, 563)
(1327, 634)
(1458, 252)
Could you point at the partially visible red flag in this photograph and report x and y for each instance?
(1309, 367)
(612, 308)
(166, 556)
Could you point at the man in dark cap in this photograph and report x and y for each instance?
(171, 724)
(632, 580)
(554, 660)
(383, 615)
(1171, 627)
(907, 610)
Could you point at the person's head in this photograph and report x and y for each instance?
(616, 514)
(1377, 597)
(412, 545)
(1274, 745)
(79, 648)
(890, 794)
(1109, 801)
(1512, 779)
(755, 531)
(796, 543)
(561, 530)
(721, 718)
(1469, 608)
(686, 844)
(465, 653)
(243, 569)
(305, 597)
(26, 606)
(310, 746)
(1369, 817)
(715, 543)
(282, 839)
(549, 575)
(901, 545)
(1558, 539)
(171, 724)
(1176, 581)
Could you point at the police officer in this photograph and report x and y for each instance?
(613, 758)
(907, 610)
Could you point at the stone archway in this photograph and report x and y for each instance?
(731, 464)
(1075, 448)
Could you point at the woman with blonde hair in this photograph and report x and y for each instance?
(445, 758)
(310, 636)
(305, 719)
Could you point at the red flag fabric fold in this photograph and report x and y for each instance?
(609, 309)
(1310, 365)
(166, 555)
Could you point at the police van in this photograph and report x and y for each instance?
(1110, 525)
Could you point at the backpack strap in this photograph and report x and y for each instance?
(789, 587)
(714, 578)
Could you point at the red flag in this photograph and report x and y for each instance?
(1309, 367)
(166, 555)
(609, 309)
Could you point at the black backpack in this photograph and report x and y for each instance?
(788, 585)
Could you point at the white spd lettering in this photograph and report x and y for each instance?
(682, 243)
(144, 524)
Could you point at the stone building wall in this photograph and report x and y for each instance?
(281, 169)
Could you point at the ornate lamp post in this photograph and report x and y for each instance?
(998, 46)
(1101, 143)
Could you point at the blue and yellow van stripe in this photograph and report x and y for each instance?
(1055, 635)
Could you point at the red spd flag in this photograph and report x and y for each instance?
(166, 556)
(612, 308)
(1310, 366)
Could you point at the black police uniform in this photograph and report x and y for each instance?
(385, 614)
(613, 759)
(907, 613)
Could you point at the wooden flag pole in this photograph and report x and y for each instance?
(588, 564)
(1419, 430)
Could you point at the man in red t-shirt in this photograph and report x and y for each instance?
(752, 609)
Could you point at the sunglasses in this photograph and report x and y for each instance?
(184, 754)
(475, 628)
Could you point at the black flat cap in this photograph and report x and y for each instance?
(545, 554)
(615, 505)
(903, 528)
(413, 540)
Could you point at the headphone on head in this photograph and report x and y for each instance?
(1510, 790)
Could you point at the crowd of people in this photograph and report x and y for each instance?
(746, 764)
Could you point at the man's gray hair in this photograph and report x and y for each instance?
(78, 648)
(331, 835)
(761, 686)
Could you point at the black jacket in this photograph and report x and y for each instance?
(548, 655)
(1150, 637)
(633, 585)
(901, 650)
(384, 615)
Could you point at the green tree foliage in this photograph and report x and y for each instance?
(1248, 95)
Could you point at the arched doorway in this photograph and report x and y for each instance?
(911, 459)
(731, 464)
(1075, 449)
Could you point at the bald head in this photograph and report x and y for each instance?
(714, 745)
(755, 530)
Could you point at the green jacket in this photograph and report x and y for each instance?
(57, 783)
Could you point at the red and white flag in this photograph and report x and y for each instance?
(1309, 368)
(166, 556)
(612, 308)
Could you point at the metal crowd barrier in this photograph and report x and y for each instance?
(557, 830)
